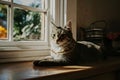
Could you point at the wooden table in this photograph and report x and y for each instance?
(26, 71)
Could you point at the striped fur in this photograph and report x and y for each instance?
(66, 51)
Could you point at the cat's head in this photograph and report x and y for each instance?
(61, 34)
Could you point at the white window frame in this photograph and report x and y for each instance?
(16, 51)
(19, 44)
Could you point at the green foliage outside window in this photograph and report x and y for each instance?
(27, 25)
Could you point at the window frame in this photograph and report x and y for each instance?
(19, 44)
(16, 52)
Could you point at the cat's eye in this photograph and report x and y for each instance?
(53, 35)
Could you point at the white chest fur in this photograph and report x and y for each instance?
(55, 52)
(56, 47)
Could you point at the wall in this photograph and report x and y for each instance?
(84, 12)
(72, 15)
(89, 11)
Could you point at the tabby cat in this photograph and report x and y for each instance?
(66, 51)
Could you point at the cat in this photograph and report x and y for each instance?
(66, 51)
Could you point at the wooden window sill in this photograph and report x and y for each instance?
(26, 71)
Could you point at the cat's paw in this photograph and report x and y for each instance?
(37, 62)
(43, 62)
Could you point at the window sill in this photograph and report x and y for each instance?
(26, 71)
(16, 55)
(23, 48)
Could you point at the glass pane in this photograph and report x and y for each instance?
(32, 3)
(3, 21)
(27, 25)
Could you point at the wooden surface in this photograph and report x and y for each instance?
(26, 71)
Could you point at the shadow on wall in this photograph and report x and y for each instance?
(114, 26)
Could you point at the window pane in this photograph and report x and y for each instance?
(3, 21)
(32, 3)
(27, 25)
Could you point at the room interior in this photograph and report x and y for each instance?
(84, 14)
(107, 12)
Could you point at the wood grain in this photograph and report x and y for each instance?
(26, 71)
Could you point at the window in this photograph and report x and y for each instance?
(25, 27)
(23, 23)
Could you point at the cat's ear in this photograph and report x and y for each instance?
(69, 25)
